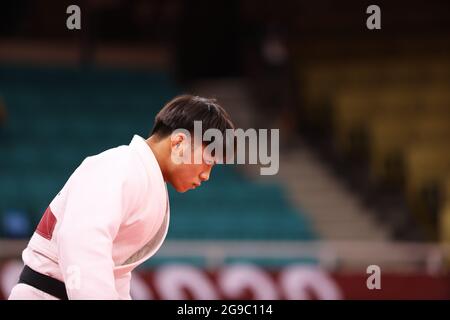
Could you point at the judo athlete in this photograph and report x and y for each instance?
(113, 212)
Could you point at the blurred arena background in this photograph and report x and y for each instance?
(364, 125)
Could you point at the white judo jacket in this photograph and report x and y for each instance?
(110, 216)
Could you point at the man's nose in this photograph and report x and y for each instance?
(204, 176)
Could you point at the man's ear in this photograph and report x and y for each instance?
(180, 139)
(177, 139)
(179, 144)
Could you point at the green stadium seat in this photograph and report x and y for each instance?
(62, 115)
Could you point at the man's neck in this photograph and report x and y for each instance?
(157, 146)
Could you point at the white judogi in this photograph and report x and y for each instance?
(110, 216)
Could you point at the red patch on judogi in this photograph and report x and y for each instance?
(46, 225)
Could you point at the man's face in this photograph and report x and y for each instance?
(187, 176)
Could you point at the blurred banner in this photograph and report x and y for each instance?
(264, 270)
(248, 281)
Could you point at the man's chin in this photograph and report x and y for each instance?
(182, 189)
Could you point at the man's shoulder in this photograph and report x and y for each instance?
(117, 155)
(120, 161)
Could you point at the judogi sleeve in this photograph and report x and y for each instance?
(99, 195)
